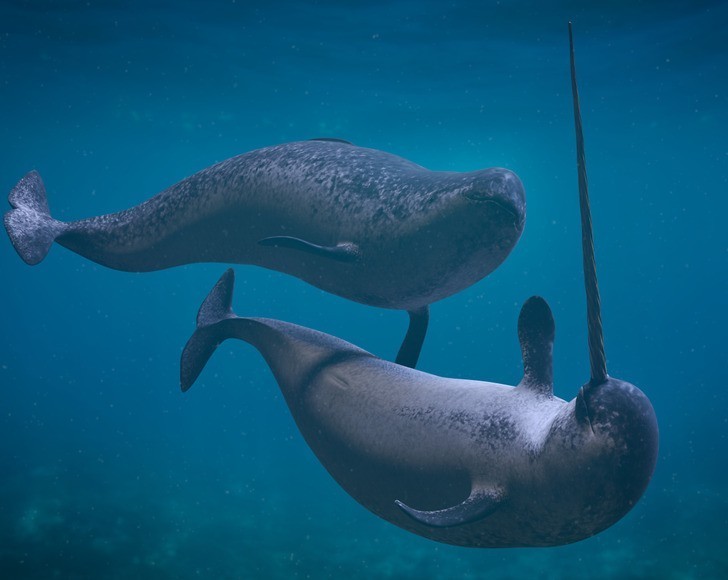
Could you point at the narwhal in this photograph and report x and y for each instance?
(357, 222)
(463, 462)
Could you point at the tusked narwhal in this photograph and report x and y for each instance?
(360, 223)
(463, 462)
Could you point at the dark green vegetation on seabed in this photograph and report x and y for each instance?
(108, 471)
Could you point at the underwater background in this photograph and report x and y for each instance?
(108, 471)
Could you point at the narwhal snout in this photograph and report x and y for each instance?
(503, 188)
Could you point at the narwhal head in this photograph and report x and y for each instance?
(598, 457)
(496, 196)
(498, 186)
(476, 219)
(621, 426)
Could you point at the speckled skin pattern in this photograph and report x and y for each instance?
(566, 470)
(421, 235)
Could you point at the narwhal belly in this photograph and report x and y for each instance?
(421, 440)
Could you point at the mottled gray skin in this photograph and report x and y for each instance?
(415, 236)
(554, 472)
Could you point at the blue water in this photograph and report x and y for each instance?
(108, 471)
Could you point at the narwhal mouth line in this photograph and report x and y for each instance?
(517, 216)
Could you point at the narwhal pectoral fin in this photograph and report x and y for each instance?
(536, 331)
(411, 347)
(481, 502)
(341, 252)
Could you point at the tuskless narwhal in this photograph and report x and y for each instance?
(459, 461)
(360, 223)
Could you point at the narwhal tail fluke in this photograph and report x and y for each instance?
(211, 330)
(291, 351)
(29, 224)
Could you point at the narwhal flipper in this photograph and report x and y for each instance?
(411, 347)
(341, 252)
(536, 331)
(481, 502)
(29, 224)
